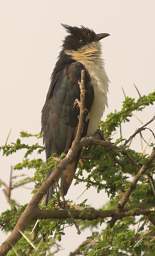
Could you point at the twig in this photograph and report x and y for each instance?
(82, 110)
(71, 216)
(79, 132)
(142, 139)
(133, 184)
(65, 206)
(22, 182)
(10, 183)
(139, 94)
(93, 183)
(88, 141)
(8, 188)
(7, 138)
(124, 92)
(152, 132)
(30, 211)
(151, 181)
(139, 130)
(78, 250)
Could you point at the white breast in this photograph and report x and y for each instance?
(99, 81)
(90, 57)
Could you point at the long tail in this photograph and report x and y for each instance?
(66, 179)
(48, 195)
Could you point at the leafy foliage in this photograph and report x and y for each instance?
(106, 170)
(129, 105)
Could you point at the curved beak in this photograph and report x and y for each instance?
(102, 35)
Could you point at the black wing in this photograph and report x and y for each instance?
(60, 114)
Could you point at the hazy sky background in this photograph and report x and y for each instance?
(30, 39)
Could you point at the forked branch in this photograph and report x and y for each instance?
(30, 211)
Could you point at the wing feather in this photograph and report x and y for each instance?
(60, 115)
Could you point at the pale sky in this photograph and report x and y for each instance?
(30, 40)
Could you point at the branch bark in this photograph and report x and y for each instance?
(140, 129)
(88, 141)
(91, 213)
(133, 184)
(30, 211)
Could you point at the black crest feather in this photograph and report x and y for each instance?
(78, 37)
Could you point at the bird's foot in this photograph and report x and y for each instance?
(77, 104)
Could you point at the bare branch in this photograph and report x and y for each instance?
(133, 184)
(30, 211)
(22, 182)
(88, 241)
(91, 213)
(143, 127)
(88, 141)
(151, 181)
(8, 188)
(139, 94)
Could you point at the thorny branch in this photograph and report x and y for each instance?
(30, 211)
(91, 213)
(88, 241)
(7, 188)
(133, 184)
(33, 212)
(139, 130)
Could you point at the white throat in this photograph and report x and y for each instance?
(95, 66)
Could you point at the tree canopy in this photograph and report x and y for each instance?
(125, 225)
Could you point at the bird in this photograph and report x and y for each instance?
(81, 50)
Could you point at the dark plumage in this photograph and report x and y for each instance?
(78, 37)
(60, 114)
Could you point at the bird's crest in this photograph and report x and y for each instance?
(80, 31)
(78, 37)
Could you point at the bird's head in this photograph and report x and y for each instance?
(82, 42)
